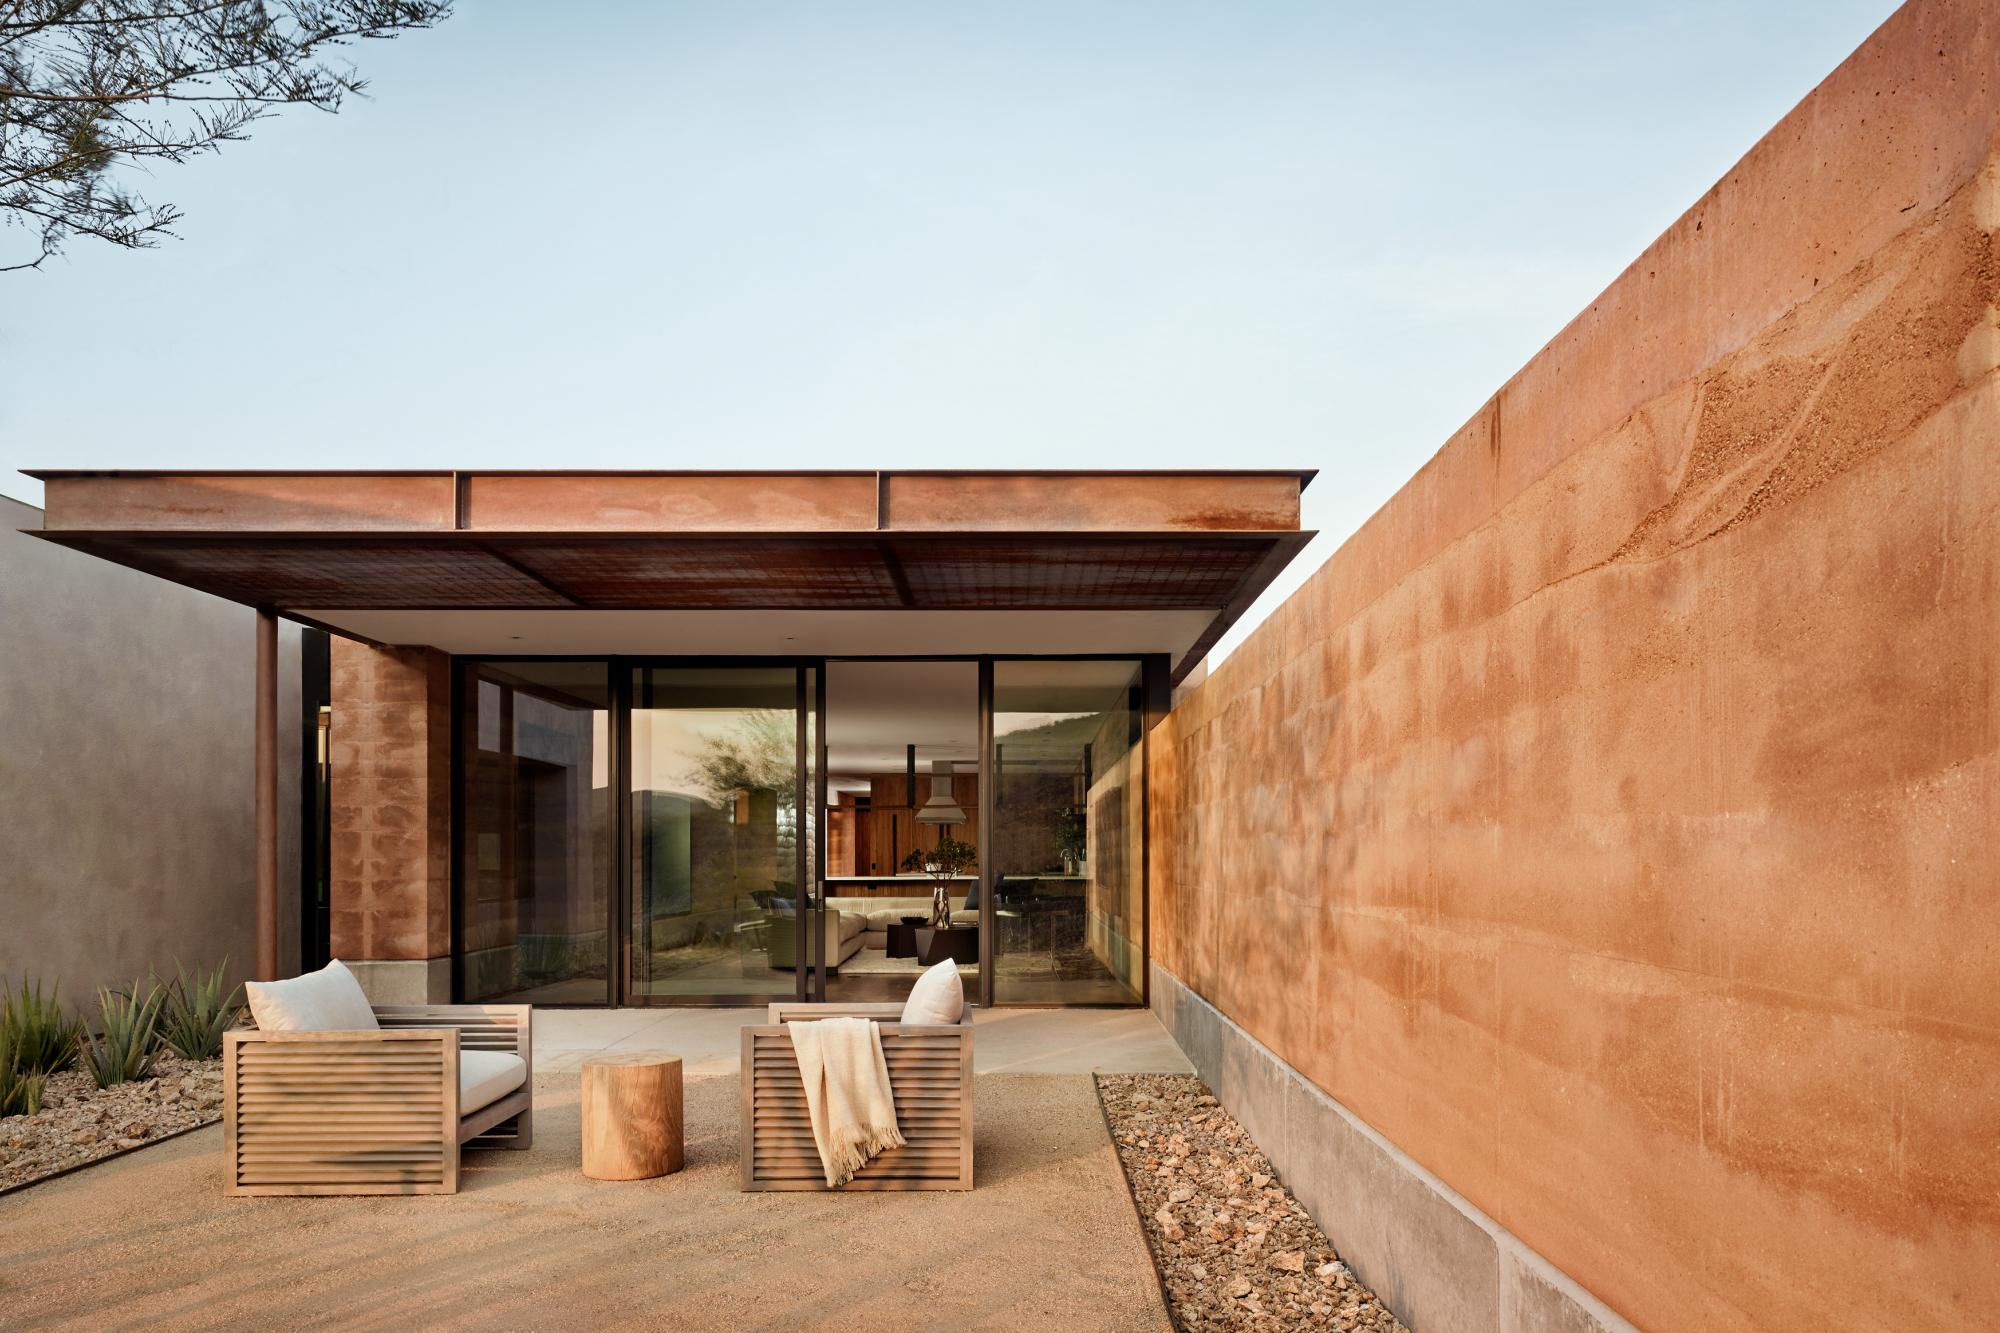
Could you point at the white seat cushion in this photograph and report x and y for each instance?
(329, 1000)
(938, 998)
(484, 1077)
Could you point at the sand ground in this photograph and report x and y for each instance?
(1048, 1240)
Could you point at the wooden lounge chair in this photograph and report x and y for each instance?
(374, 1112)
(930, 1071)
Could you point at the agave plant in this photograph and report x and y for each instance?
(41, 1036)
(195, 1011)
(20, 1090)
(130, 1044)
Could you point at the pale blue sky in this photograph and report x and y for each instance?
(849, 235)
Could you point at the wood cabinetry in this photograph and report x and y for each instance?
(874, 840)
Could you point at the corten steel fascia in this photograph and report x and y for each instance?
(140, 518)
(1304, 475)
(672, 501)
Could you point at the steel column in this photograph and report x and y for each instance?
(267, 795)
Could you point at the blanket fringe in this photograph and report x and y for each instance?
(852, 1149)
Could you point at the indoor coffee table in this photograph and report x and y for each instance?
(903, 937)
(958, 943)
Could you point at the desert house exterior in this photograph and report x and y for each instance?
(1582, 887)
(675, 738)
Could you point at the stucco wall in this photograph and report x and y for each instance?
(1611, 823)
(127, 734)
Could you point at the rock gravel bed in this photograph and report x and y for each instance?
(79, 1122)
(1234, 1249)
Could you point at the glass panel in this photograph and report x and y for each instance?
(884, 721)
(809, 811)
(1067, 829)
(715, 832)
(535, 856)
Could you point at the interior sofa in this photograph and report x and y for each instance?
(854, 924)
(881, 913)
(844, 932)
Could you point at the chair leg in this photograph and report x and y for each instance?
(524, 1138)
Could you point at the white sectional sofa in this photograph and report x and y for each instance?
(854, 924)
(881, 913)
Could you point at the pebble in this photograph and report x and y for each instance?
(79, 1121)
(1233, 1247)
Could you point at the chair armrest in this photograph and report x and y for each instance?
(786, 1012)
(480, 1027)
(884, 1013)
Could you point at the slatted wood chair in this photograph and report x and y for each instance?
(371, 1112)
(930, 1071)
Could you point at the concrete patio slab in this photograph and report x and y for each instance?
(1011, 1041)
(1048, 1239)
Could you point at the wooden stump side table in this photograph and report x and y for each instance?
(632, 1116)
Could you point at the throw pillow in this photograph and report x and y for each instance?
(938, 998)
(329, 1000)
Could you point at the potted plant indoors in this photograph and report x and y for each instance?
(943, 863)
(1072, 838)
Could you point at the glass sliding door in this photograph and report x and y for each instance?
(1067, 834)
(722, 854)
(535, 864)
(902, 782)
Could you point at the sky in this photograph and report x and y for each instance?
(1052, 235)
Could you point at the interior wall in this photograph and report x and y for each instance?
(1611, 823)
(127, 745)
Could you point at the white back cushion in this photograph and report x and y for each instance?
(937, 998)
(329, 1000)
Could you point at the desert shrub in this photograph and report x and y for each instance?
(195, 1011)
(41, 1036)
(131, 1043)
(20, 1090)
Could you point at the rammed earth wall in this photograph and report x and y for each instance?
(1610, 826)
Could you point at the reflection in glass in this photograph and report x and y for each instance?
(535, 877)
(1068, 821)
(716, 845)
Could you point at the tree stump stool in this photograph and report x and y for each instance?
(631, 1116)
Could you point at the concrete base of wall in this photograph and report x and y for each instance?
(1438, 1262)
(410, 981)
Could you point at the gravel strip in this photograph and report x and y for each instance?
(1234, 1249)
(80, 1123)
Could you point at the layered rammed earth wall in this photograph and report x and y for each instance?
(1611, 824)
(390, 820)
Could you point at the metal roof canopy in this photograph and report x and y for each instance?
(306, 542)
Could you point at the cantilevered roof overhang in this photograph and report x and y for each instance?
(694, 561)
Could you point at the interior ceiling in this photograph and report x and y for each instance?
(876, 709)
(791, 633)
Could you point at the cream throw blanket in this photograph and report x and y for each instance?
(853, 1109)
